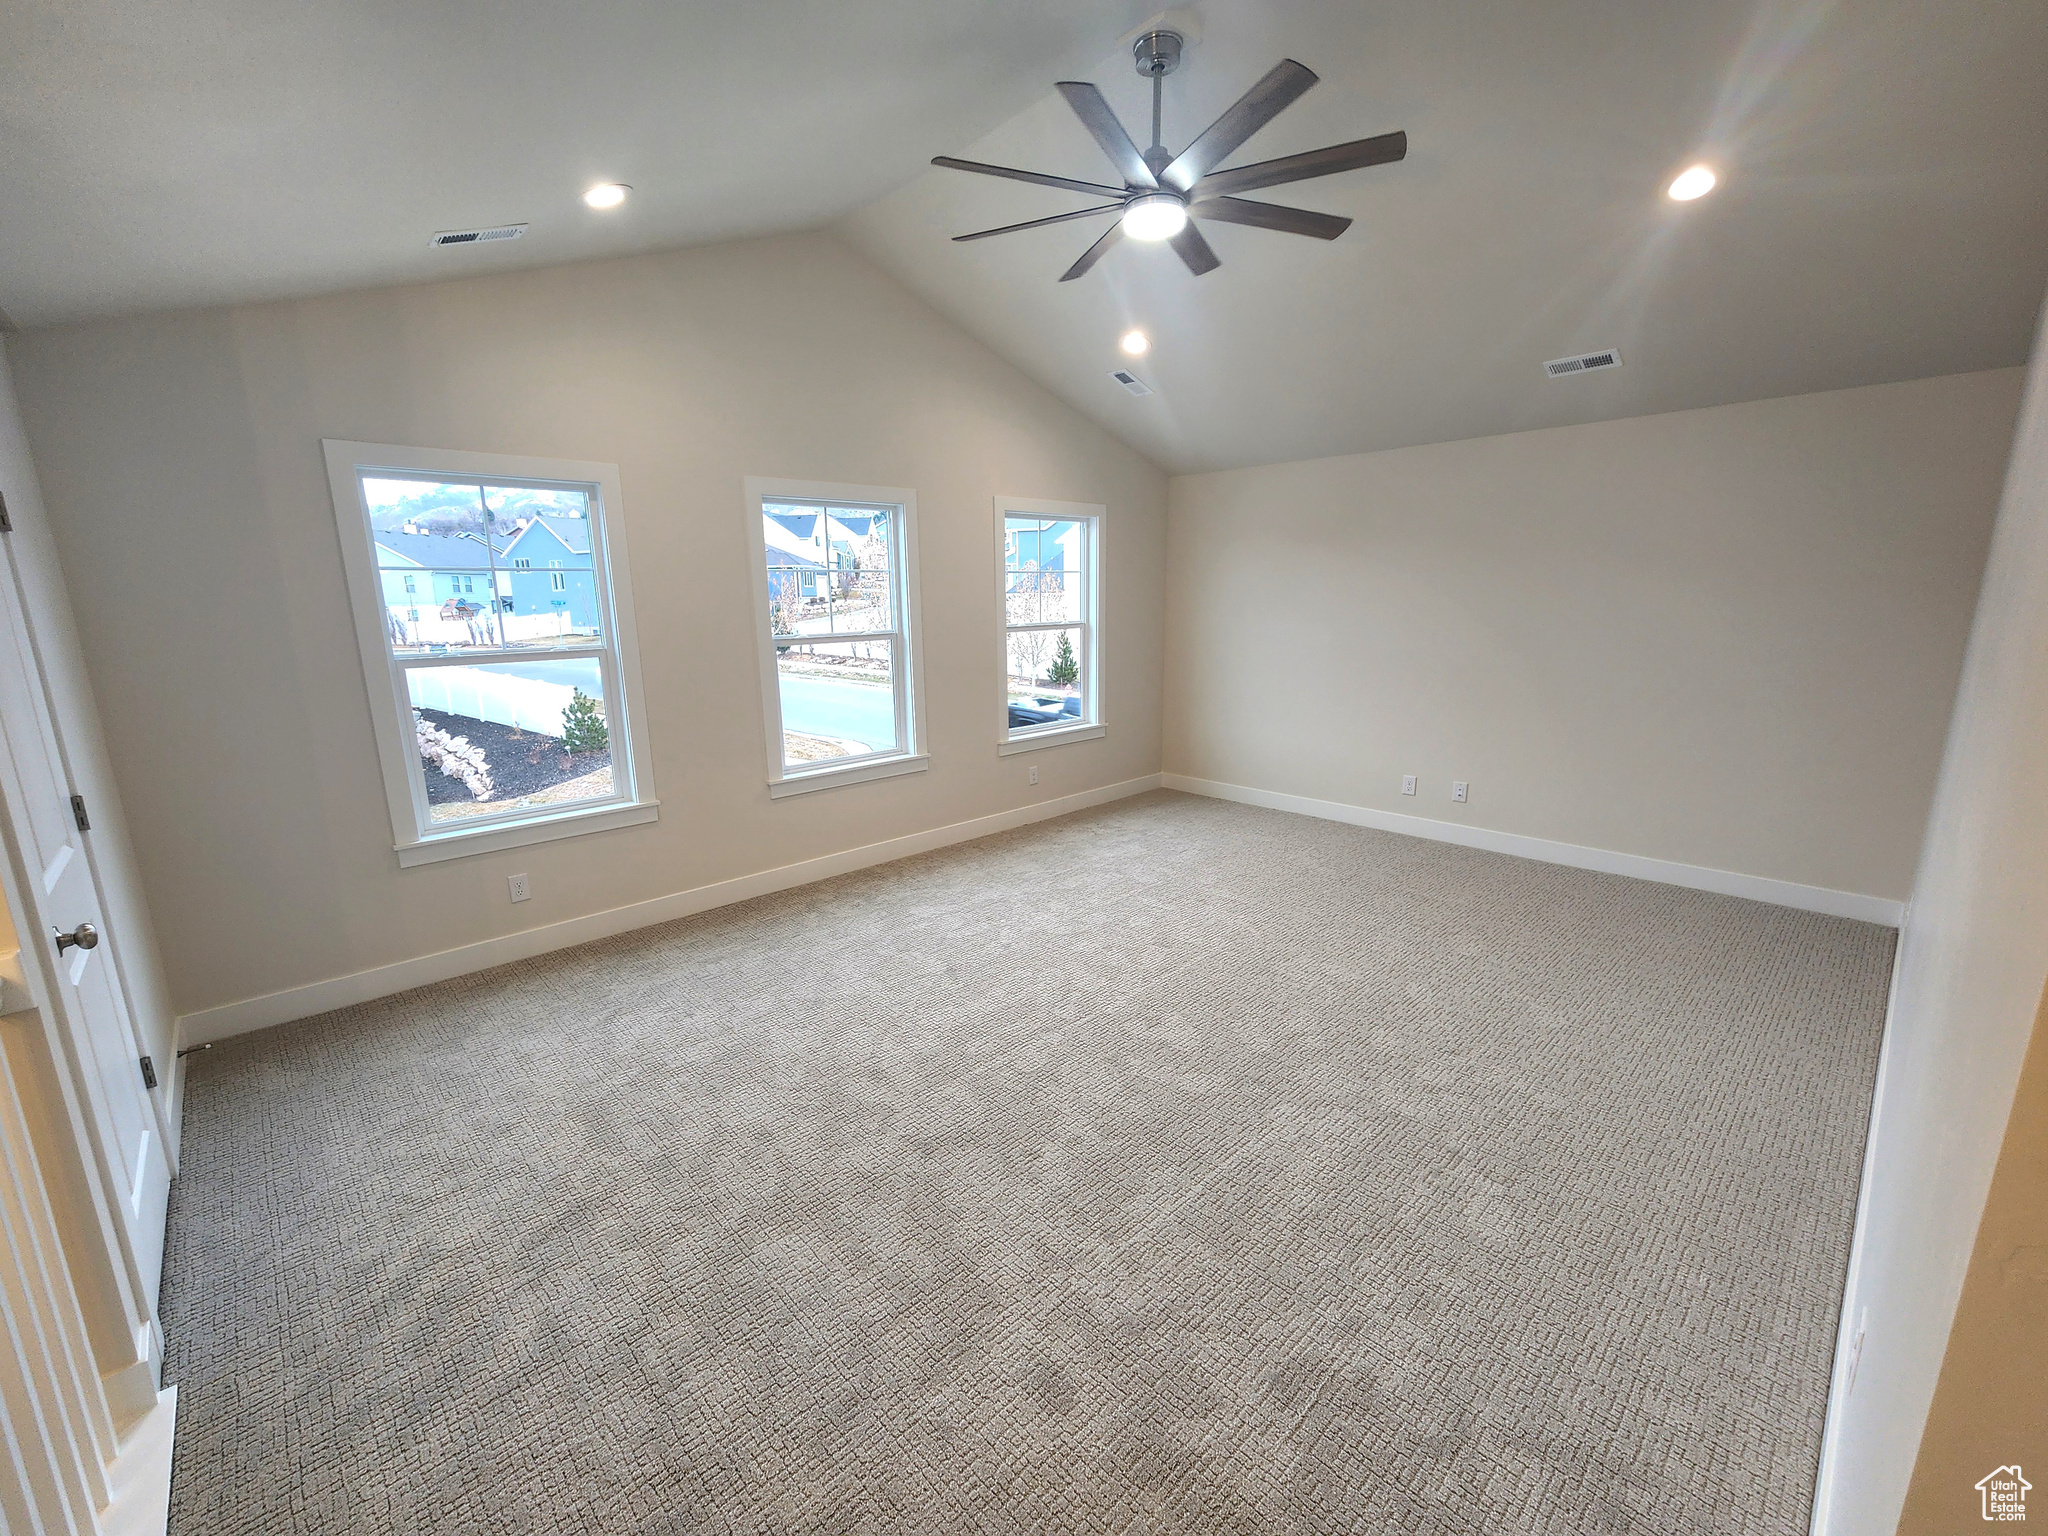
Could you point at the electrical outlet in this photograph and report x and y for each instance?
(521, 890)
(1407, 783)
(1458, 789)
(1034, 775)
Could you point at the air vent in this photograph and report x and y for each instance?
(478, 236)
(1130, 381)
(1585, 362)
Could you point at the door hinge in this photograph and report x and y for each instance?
(6, 522)
(78, 813)
(148, 1073)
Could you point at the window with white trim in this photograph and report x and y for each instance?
(1050, 589)
(835, 588)
(511, 712)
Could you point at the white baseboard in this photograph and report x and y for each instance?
(381, 981)
(1783, 893)
(139, 1481)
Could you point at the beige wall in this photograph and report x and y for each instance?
(1991, 1404)
(181, 460)
(1973, 955)
(1725, 637)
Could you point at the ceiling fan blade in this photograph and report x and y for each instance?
(1380, 150)
(1283, 83)
(1095, 252)
(1095, 114)
(1194, 250)
(1037, 177)
(1058, 218)
(1292, 221)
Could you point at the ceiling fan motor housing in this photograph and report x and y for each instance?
(1157, 53)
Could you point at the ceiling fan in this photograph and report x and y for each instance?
(1164, 193)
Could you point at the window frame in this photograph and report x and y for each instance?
(908, 673)
(1094, 724)
(414, 837)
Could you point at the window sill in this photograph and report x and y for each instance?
(1033, 740)
(459, 845)
(858, 773)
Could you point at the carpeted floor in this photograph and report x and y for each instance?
(1176, 1166)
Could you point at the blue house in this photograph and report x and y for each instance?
(423, 572)
(545, 570)
(1034, 545)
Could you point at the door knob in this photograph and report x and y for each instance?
(85, 936)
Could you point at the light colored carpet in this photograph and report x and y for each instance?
(1176, 1166)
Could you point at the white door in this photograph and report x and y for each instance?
(63, 899)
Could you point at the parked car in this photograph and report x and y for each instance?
(1043, 710)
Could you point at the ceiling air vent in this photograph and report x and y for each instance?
(1130, 381)
(1585, 362)
(478, 236)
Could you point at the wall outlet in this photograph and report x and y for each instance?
(1457, 789)
(1034, 775)
(519, 887)
(1407, 783)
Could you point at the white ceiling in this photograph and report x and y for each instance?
(167, 153)
(1884, 215)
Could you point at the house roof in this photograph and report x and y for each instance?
(437, 550)
(849, 523)
(572, 533)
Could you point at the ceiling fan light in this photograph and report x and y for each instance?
(1155, 216)
(1693, 182)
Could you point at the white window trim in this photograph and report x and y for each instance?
(783, 781)
(1096, 726)
(390, 707)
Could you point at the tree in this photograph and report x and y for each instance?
(583, 727)
(1032, 599)
(1064, 670)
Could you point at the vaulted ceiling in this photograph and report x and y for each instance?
(170, 153)
(1883, 214)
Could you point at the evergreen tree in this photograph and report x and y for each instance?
(1064, 669)
(583, 727)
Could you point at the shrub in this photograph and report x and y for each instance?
(583, 727)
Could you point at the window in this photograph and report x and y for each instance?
(835, 585)
(1050, 586)
(559, 582)
(498, 724)
(522, 564)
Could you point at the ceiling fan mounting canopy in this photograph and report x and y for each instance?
(1163, 193)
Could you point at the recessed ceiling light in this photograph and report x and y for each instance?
(1155, 216)
(1136, 343)
(1695, 181)
(609, 195)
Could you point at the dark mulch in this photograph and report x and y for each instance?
(522, 764)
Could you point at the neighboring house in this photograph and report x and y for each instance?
(423, 572)
(545, 570)
(808, 543)
(1027, 551)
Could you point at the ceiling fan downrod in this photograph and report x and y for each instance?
(1157, 55)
